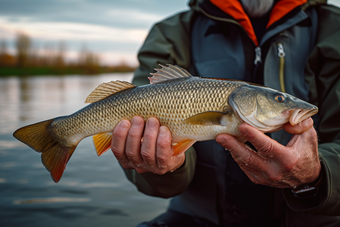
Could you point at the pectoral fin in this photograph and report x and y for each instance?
(208, 118)
(102, 142)
(182, 146)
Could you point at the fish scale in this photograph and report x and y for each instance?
(171, 103)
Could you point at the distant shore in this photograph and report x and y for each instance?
(39, 70)
(30, 60)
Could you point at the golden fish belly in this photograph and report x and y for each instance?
(203, 132)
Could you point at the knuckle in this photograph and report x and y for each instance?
(129, 153)
(149, 136)
(247, 160)
(146, 154)
(251, 138)
(115, 150)
(289, 167)
(274, 177)
(266, 148)
(119, 135)
(291, 162)
(162, 158)
(119, 154)
(134, 134)
(163, 144)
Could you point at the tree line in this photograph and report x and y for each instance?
(28, 59)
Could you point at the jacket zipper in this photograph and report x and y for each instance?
(257, 56)
(258, 53)
(281, 54)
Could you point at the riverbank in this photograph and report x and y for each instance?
(38, 71)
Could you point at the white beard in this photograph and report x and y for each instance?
(257, 8)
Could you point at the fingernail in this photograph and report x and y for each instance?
(221, 140)
(136, 121)
(152, 123)
(243, 131)
(123, 124)
(163, 131)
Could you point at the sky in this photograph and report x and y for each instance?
(114, 28)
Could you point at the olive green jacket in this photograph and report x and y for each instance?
(169, 42)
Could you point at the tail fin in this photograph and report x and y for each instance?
(42, 139)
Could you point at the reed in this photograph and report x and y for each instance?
(51, 60)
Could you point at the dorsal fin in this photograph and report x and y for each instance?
(168, 72)
(106, 89)
(234, 80)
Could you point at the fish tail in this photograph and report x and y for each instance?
(41, 138)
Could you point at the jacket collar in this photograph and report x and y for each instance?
(235, 10)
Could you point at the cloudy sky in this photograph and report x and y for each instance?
(113, 28)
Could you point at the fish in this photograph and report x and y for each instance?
(193, 108)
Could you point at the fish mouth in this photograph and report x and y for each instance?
(298, 115)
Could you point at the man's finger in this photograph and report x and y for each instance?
(149, 142)
(302, 127)
(266, 147)
(119, 135)
(133, 141)
(242, 153)
(164, 151)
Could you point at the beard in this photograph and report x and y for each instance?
(257, 8)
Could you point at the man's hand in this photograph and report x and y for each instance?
(144, 149)
(276, 165)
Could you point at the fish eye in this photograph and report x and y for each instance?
(279, 98)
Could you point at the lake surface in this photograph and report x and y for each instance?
(93, 190)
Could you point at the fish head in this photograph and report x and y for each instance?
(267, 109)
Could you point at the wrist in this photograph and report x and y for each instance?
(310, 189)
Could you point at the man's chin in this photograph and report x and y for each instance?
(257, 8)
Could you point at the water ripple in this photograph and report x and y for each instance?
(10, 144)
(3, 180)
(51, 200)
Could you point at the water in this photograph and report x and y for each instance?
(93, 190)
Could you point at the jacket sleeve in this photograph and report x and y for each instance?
(169, 184)
(323, 76)
(166, 43)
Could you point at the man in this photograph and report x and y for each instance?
(276, 179)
